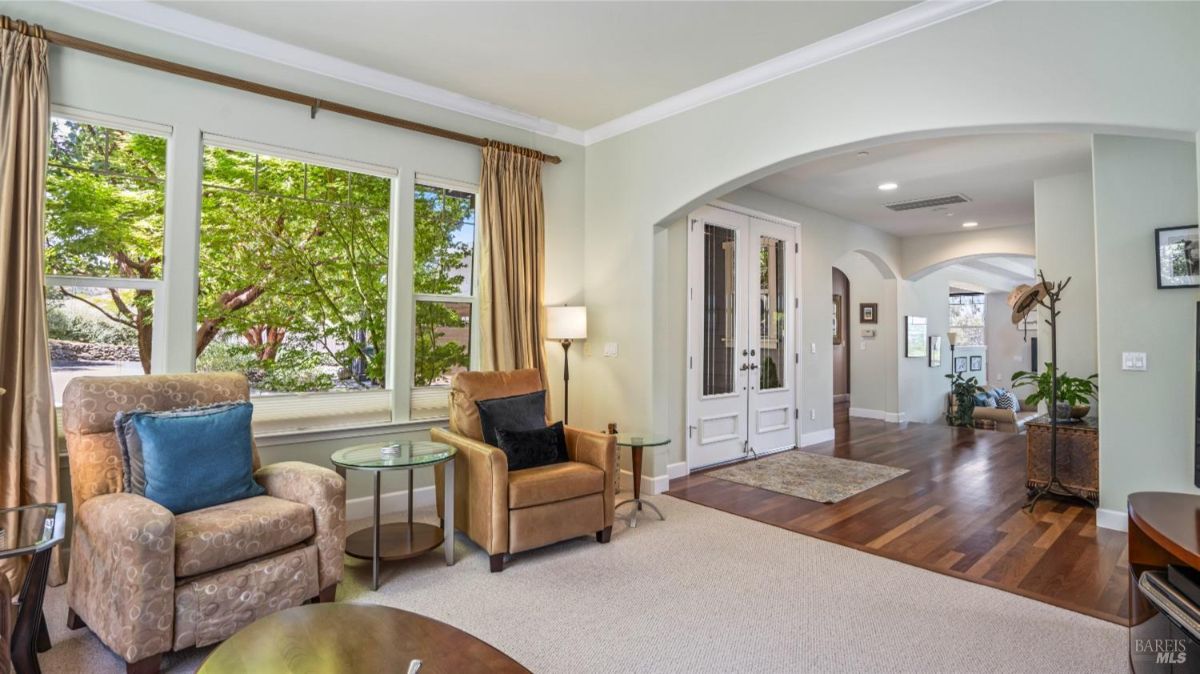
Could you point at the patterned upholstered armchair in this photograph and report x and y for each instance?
(148, 582)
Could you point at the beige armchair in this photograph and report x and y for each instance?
(507, 513)
(148, 582)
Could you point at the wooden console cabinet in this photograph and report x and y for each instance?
(1078, 455)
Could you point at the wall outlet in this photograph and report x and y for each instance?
(862, 345)
(812, 415)
(1133, 360)
(813, 348)
(610, 349)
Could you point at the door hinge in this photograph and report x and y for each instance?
(689, 362)
(796, 413)
(797, 248)
(797, 357)
(691, 293)
(796, 302)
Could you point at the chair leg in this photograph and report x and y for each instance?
(74, 622)
(604, 535)
(497, 562)
(149, 665)
(327, 595)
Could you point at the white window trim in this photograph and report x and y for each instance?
(472, 299)
(327, 161)
(158, 335)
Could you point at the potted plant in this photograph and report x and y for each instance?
(963, 389)
(1074, 394)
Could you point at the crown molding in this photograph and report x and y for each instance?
(206, 31)
(894, 25)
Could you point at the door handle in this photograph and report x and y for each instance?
(743, 368)
(754, 366)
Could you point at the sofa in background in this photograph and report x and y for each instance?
(1006, 420)
(508, 512)
(149, 582)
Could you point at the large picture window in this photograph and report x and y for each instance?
(104, 223)
(293, 273)
(967, 318)
(444, 291)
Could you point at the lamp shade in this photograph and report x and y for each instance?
(952, 338)
(566, 322)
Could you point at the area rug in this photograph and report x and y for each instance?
(814, 477)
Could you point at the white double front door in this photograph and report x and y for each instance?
(741, 368)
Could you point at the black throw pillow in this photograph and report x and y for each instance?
(530, 449)
(525, 412)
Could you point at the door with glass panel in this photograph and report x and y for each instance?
(740, 344)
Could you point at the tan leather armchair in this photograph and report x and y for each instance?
(507, 513)
(148, 582)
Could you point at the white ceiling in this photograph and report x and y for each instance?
(996, 172)
(574, 63)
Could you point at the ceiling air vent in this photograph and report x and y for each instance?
(930, 202)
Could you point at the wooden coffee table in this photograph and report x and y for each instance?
(353, 638)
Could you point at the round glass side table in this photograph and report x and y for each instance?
(399, 540)
(31, 530)
(637, 443)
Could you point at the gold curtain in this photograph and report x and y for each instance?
(512, 262)
(28, 456)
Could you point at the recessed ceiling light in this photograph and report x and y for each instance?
(887, 187)
(970, 224)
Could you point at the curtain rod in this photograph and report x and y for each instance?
(314, 104)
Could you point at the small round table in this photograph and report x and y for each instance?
(353, 638)
(31, 530)
(400, 540)
(637, 443)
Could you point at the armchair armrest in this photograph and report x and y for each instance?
(481, 490)
(325, 492)
(599, 450)
(122, 576)
(994, 414)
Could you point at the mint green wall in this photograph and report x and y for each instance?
(1147, 423)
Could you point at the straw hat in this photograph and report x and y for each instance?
(1024, 298)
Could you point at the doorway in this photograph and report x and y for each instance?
(841, 350)
(741, 336)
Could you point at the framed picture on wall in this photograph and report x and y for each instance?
(976, 363)
(960, 364)
(935, 350)
(916, 344)
(837, 320)
(1177, 251)
(868, 312)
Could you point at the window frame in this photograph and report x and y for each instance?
(472, 299)
(981, 300)
(158, 335)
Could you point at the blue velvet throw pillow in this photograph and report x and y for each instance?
(530, 449)
(196, 458)
(524, 412)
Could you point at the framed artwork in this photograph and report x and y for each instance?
(1177, 252)
(916, 344)
(935, 350)
(976, 363)
(837, 320)
(868, 312)
(960, 364)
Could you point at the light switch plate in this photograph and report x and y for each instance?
(862, 346)
(610, 349)
(813, 348)
(1133, 360)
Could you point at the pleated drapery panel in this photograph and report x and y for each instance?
(512, 262)
(28, 456)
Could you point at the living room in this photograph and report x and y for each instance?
(289, 192)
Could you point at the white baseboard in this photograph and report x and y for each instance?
(675, 470)
(389, 502)
(651, 484)
(1112, 519)
(890, 417)
(816, 437)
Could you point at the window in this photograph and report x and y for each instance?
(293, 273)
(967, 318)
(104, 222)
(444, 291)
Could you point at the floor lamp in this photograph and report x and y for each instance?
(565, 324)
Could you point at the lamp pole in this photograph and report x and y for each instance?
(566, 345)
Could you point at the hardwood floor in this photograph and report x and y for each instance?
(957, 511)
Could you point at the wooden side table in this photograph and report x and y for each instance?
(1164, 530)
(1078, 455)
(637, 444)
(31, 530)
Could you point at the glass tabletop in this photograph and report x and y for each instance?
(400, 454)
(641, 439)
(30, 529)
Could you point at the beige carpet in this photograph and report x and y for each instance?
(824, 479)
(706, 591)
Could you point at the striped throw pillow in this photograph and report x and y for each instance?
(1006, 401)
